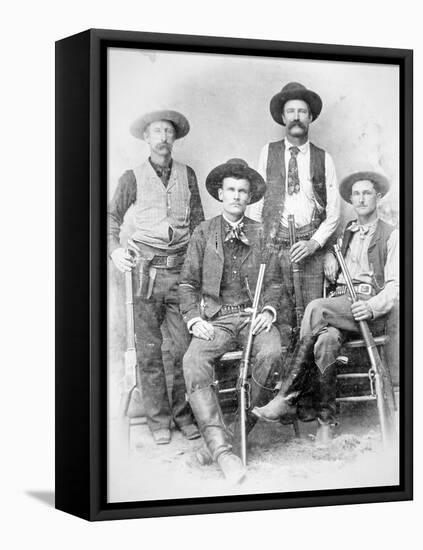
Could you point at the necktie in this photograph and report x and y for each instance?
(293, 179)
(363, 230)
(236, 232)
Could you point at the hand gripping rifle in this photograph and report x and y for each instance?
(378, 369)
(296, 276)
(243, 386)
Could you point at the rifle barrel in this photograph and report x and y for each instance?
(242, 382)
(382, 379)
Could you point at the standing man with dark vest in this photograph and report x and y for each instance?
(370, 249)
(166, 209)
(301, 181)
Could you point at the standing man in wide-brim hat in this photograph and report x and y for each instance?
(301, 182)
(370, 249)
(217, 281)
(166, 208)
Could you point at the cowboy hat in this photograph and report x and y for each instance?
(294, 90)
(239, 169)
(380, 182)
(181, 124)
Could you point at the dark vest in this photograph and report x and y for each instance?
(377, 252)
(274, 198)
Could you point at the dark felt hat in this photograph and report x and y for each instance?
(139, 126)
(380, 182)
(294, 90)
(236, 168)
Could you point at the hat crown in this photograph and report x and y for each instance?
(237, 162)
(293, 87)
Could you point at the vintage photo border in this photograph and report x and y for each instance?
(81, 200)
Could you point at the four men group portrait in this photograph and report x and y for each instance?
(196, 279)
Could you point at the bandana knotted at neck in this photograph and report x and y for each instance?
(362, 229)
(236, 232)
(293, 178)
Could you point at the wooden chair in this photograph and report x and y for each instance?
(227, 369)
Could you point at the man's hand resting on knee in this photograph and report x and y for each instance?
(202, 329)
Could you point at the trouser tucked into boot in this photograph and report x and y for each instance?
(327, 394)
(207, 411)
(206, 408)
(293, 383)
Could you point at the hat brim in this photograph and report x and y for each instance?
(380, 182)
(139, 126)
(218, 174)
(277, 102)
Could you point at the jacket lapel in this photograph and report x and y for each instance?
(250, 231)
(217, 238)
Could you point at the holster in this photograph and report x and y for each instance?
(143, 267)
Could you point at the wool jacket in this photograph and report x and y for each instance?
(201, 275)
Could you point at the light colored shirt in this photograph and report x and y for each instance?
(357, 262)
(303, 203)
(232, 224)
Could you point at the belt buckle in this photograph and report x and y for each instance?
(171, 261)
(364, 288)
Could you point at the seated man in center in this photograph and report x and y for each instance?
(217, 281)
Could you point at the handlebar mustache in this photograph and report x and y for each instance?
(296, 123)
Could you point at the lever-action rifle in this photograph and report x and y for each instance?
(296, 276)
(128, 382)
(290, 351)
(243, 386)
(383, 385)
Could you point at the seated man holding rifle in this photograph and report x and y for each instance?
(218, 279)
(369, 255)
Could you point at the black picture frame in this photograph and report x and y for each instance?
(81, 281)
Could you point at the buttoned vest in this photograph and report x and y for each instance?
(274, 199)
(377, 252)
(159, 208)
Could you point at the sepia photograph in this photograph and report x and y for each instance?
(252, 275)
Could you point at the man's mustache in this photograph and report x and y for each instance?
(296, 123)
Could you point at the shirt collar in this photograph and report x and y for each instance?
(160, 169)
(368, 226)
(304, 148)
(232, 224)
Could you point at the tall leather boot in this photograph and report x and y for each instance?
(207, 411)
(284, 403)
(327, 406)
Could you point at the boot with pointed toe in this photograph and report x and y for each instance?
(285, 402)
(278, 407)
